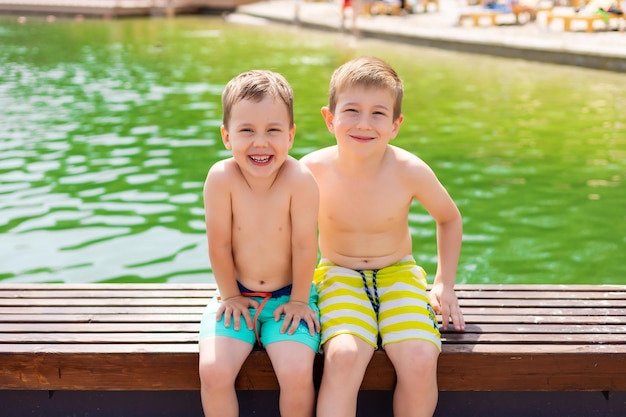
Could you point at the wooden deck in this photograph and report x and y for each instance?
(144, 337)
(118, 8)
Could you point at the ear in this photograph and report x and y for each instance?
(328, 118)
(292, 135)
(396, 126)
(225, 138)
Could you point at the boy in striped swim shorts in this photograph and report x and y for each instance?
(371, 291)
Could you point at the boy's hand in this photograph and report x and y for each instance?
(294, 312)
(235, 308)
(444, 302)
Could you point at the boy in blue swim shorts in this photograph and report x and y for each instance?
(261, 221)
(369, 286)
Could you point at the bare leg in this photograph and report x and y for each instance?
(345, 360)
(221, 359)
(293, 364)
(416, 391)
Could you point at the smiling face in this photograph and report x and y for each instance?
(363, 115)
(259, 134)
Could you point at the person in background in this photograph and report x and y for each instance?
(261, 221)
(356, 7)
(370, 288)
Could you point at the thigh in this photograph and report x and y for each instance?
(210, 327)
(271, 329)
(291, 357)
(221, 358)
(405, 311)
(344, 305)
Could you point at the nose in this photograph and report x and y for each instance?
(260, 141)
(363, 121)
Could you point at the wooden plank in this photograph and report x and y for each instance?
(120, 310)
(533, 338)
(101, 302)
(185, 337)
(70, 349)
(92, 327)
(542, 319)
(95, 293)
(110, 287)
(547, 311)
(472, 290)
(483, 314)
(141, 371)
(201, 301)
(540, 295)
(189, 318)
(538, 303)
(99, 338)
(100, 318)
(535, 372)
(210, 286)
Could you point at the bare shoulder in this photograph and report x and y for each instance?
(408, 162)
(320, 158)
(221, 171)
(295, 170)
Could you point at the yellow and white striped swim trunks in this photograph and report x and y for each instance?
(391, 301)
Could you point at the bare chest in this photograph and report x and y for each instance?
(373, 205)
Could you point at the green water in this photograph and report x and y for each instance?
(107, 130)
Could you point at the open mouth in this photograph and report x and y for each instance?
(261, 159)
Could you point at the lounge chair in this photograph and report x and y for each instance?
(392, 7)
(606, 12)
(522, 11)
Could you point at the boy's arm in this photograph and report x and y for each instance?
(304, 210)
(443, 297)
(218, 217)
(436, 200)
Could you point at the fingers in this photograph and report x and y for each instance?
(278, 314)
(445, 319)
(458, 320)
(293, 317)
(233, 312)
(452, 314)
(317, 326)
(247, 318)
(290, 323)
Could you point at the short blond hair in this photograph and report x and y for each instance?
(256, 85)
(366, 72)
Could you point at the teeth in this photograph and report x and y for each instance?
(260, 158)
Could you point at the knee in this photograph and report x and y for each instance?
(213, 373)
(420, 363)
(298, 378)
(292, 374)
(342, 358)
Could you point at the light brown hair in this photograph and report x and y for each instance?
(366, 72)
(256, 85)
